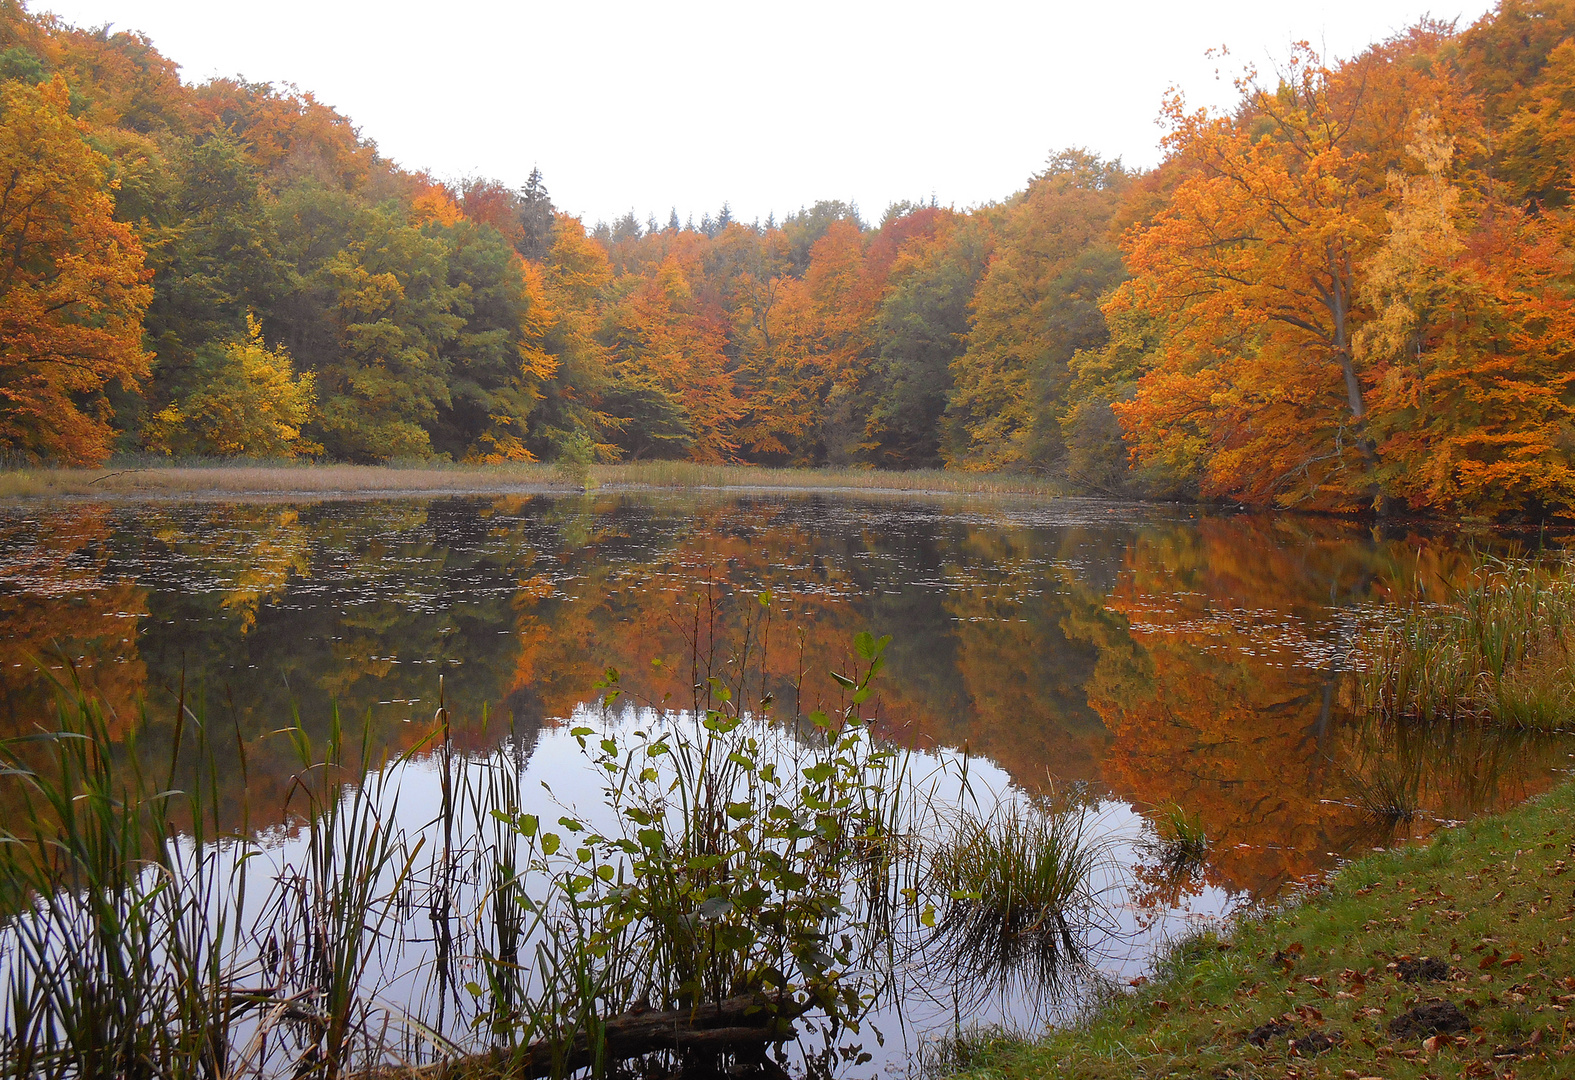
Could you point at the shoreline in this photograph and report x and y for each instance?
(1327, 985)
(199, 481)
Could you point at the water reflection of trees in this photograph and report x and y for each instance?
(1217, 674)
(1172, 662)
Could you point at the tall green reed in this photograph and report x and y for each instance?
(1497, 651)
(120, 931)
(331, 914)
(128, 943)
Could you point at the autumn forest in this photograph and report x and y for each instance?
(1356, 290)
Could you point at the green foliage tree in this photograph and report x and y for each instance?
(369, 309)
(1035, 307)
(491, 392)
(923, 323)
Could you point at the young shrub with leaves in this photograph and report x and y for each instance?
(728, 872)
(247, 402)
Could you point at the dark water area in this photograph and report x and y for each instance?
(1161, 655)
(1146, 657)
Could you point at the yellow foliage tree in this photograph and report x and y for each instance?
(247, 402)
(1470, 346)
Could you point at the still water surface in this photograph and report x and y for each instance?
(1143, 657)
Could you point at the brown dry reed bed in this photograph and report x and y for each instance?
(196, 478)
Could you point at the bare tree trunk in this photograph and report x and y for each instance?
(737, 1023)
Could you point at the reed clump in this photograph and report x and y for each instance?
(1498, 651)
(129, 946)
(1020, 882)
(1182, 844)
(118, 930)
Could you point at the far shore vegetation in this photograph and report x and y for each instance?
(1350, 287)
(155, 477)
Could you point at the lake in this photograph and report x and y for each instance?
(1130, 658)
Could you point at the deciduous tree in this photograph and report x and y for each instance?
(72, 283)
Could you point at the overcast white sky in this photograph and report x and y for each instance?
(652, 105)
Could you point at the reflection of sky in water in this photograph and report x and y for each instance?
(557, 778)
(1153, 656)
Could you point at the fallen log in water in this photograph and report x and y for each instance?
(735, 1023)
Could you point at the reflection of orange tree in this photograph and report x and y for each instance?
(1024, 678)
(642, 616)
(60, 608)
(1207, 710)
(691, 604)
(1214, 707)
(983, 662)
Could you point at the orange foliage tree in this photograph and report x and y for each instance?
(669, 361)
(72, 284)
(1470, 347)
(1253, 266)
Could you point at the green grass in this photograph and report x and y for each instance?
(158, 477)
(1491, 899)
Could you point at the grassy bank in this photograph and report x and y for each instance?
(195, 479)
(1323, 988)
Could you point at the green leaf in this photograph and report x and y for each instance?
(843, 681)
(605, 871)
(549, 843)
(716, 907)
(928, 917)
(864, 644)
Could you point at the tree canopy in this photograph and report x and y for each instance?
(1353, 289)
